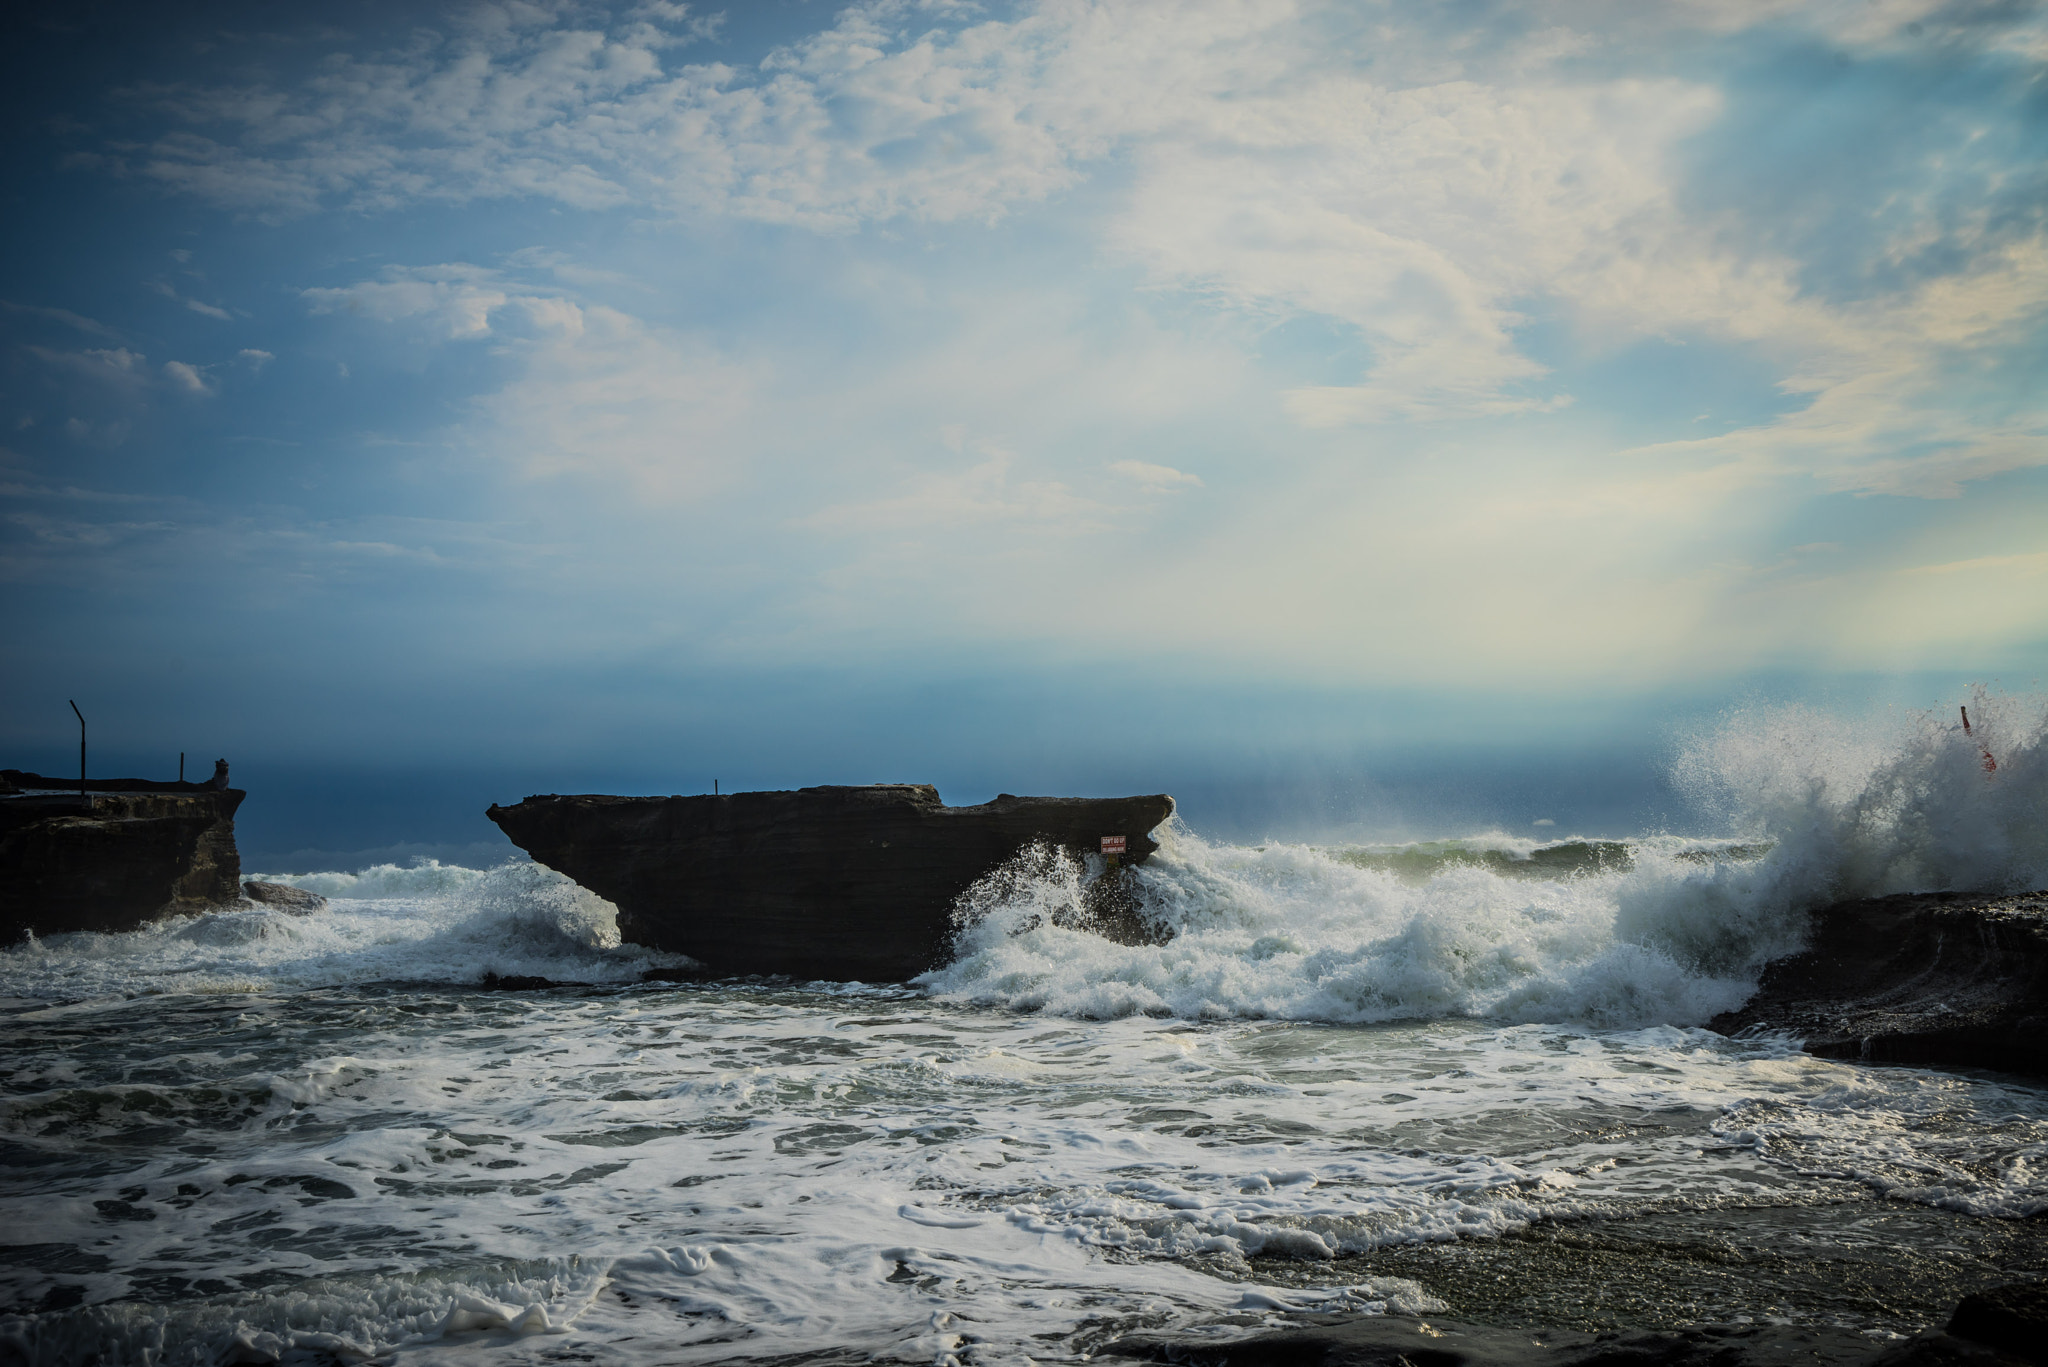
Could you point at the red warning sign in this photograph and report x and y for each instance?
(1112, 844)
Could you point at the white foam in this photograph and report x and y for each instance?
(743, 1173)
(422, 878)
(515, 920)
(1297, 932)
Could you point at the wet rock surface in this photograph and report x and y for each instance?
(2012, 1319)
(830, 882)
(1399, 1341)
(123, 853)
(283, 897)
(1939, 978)
(2006, 1325)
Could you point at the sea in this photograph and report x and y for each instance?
(1467, 1078)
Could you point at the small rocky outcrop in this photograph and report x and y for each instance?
(2011, 1319)
(114, 857)
(840, 882)
(2002, 1327)
(283, 896)
(1941, 978)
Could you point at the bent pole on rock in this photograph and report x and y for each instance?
(81, 749)
(1990, 764)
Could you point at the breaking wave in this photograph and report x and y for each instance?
(425, 878)
(1660, 930)
(517, 920)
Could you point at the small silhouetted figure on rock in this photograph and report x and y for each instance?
(220, 775)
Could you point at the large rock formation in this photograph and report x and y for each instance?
(1938, 977)
(850, 883)
(125, 851)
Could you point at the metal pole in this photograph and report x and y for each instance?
(81, 749)
(181, 766)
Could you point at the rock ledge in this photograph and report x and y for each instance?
(1943, 978)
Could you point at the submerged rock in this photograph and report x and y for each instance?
(515, 982)
(2012, 1319)
(1945, 978)
(283, 896)
(120, 854)
(844, 883)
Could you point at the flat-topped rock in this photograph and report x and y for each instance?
(1939, 977)
(121, 854)
(837, 882)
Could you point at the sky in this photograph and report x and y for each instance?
(1350, 417)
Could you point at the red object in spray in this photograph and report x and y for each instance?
(1990, 764)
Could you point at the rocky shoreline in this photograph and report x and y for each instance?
(1935, 978)
(2000, 1325)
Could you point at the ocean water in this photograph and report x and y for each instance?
(1467, 1077)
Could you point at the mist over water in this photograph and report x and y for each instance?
(250, 1134)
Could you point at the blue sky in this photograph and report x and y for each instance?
(1258, 400)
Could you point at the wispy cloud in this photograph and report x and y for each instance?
(1362, 341)
(1156, 477)
(75, 321)
(197, 306)
(1433, 200)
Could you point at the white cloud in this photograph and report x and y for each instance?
(1438, 508)
(118, 359)
(1155, 477)
(612, 400)
(969, 498)
(455, 300)
(186, 378)
(1427, 199)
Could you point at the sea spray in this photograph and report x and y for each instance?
(1295, 932)
(1673, 931)
(1862, 810)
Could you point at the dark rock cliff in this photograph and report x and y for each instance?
(126, 852)
(848, 883)
(1943, 977)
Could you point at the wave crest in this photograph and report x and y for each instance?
(1661, 930)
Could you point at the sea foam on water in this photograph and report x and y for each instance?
(254, 1135)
